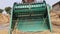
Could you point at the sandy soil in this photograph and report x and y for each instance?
(4, 31)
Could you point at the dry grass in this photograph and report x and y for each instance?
(55, 19)
(4, 19)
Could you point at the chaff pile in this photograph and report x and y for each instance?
(4, 19)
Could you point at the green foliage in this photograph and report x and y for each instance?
(1, 10)
(8, 9)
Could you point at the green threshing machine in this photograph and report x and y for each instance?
(30, 17)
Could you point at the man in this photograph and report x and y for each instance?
(27, 1)
(38, 1)
(30, 1)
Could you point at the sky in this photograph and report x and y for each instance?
(6, 3)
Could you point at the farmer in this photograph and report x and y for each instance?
(30, 1)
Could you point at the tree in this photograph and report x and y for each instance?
(8, 10)
(1, 10)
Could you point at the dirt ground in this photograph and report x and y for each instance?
(56, 30)
(55, 19)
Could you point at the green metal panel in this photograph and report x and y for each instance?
(38, 18)
(49, 19)
(33, 7)
(32, 25)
